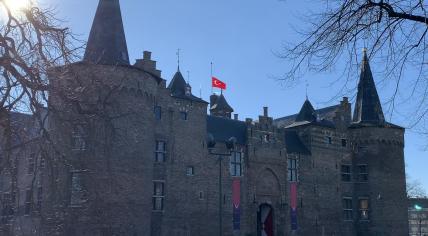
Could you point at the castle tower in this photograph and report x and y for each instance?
(378, 165)
(219, 106)
(107, 42)
(307, 113)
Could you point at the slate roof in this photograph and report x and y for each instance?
(293, 143)
(325, 118)
(178, 86)
(423, 202)
(107, 42)
(219, 103)
(368, 108)
(223, 128)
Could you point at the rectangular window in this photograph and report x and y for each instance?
(190, 171)
(344, 142)
(347, 208)
(31, 160)
(364, 208)
(292, 169)
(77, 191)
(363, 173)
(160, 152)
(79, 138)
(158, 112)
(329, 140)
(183, 115)
(158, 195)
(7, 209)
(28, 199)
(236, 164)
(346, 173)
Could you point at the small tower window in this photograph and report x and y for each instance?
(160, 152)
(346, 173)
(329, 140)
(158, 195)
(363, 173)
(347, 208)
(236, 164)
(292, 166)
(190, 171)
(31, 164)
(158, 112)
(79, 138)
(183, 115)
(201, 195)
(344, 142)
(364, 208)
(77, 192)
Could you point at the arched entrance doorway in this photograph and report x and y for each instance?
(265, 220)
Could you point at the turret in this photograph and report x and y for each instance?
(219, 106)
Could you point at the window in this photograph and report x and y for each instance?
(7, 209)
(190, 171)
(79, 138)
(183, 115)
(347, 208)
(158, 195)
(344, 142)
(158, 112)
(292, 169)
(236, 164)
(31, 164)
(329, 140)
(160, 152)
(346, 173)
(42, 163)
(201, 195)
(363, 174)
(28, 198)
(364, 208)
(39, 197)
(77, 191)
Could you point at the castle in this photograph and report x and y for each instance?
(129, 154)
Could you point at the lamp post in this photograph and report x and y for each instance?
(419, 208)
(230, 144)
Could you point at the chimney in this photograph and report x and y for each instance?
(265, 111)
(235, 116)
(148, 64)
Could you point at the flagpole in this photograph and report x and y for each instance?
(212, 89)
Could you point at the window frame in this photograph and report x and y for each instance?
(157, 111)
(192, 171)
(361, 210)
(346, 210)
(363, 177)
(329, 139)
(28, 202)
(344, 142)
(348, 174)
(158, 196)
(292, 169)
(235, 166)
(31, 168)
(79, 137)
(160, 152)
(184, 115)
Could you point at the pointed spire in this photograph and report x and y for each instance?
(368, 108)
(107, 43)
(307, 112)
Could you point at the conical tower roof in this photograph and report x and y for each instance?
(307, 113)
(177, 85)
(220, 104)
(107, 43)
(368, 108)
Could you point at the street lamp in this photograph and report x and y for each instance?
(230, 145)
(419, 208)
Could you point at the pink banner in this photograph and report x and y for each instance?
(236, 192)
(293, 195)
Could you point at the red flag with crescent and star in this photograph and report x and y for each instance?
(218, 83)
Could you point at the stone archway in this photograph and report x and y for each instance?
(265, 220)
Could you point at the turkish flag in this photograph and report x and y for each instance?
(218, 83)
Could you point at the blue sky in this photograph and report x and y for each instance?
(240, 38)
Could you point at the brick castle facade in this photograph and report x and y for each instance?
(129, 154)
